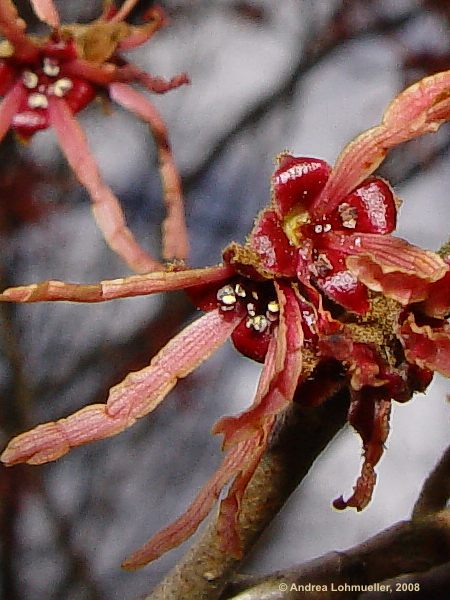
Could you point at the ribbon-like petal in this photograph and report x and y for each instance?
(106, 207)
(137, 395)
(420, 109)
(175, 237)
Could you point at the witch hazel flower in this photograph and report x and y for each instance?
(319, 292)
(45, 80)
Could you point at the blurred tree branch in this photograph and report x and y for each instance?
(337, 31)
(418, 546)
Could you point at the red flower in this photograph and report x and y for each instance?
(319, 282)
(46, 80)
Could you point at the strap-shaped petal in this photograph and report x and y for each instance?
(279, 377)
(13, 28)
(46, 11)
(106, 207)
(136, 285)
(137, 395)
(9, 107)
(176, 533)
(420, 109)
(175, 237)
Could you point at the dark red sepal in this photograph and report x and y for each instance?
(251, 343)
(272, 246)
(297, 181)
(27, 121)
(372, 205)
(61, 49)
(343, 287)
(80, 95)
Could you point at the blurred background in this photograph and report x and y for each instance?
(266, 76)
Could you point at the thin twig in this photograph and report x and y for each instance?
(434, 583)
(316, 49)
(406, 547)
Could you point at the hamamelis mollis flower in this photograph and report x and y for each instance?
(319, 289)
(46, 80)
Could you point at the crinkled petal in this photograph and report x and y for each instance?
(243, 454)
(46, 11)
(137, 35)
(176, 533)
(427, 346)
(369, 414)
(280, 375)
(437, 303)
(420, 109)
(390, 265)
(106, 207)
(175, 237)
(136, 285)
(229, 507)
(137, 395)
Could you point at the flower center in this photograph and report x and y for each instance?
(258, 302)
(45, 82)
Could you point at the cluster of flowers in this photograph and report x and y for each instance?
(45, 80)
(319, 281)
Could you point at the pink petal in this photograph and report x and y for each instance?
(100, 74)
(427, 346)
(140, 34)
(9, 107)
(437, 303)
(136, 396)
(176, 533)
(123, 12)
(136, 285)
(175, 238)
(106, 207)
(280, 375)
(390, 265)
(104, 74)
(46, 12)
(13, 28)
(420, 109)
(229, 507)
